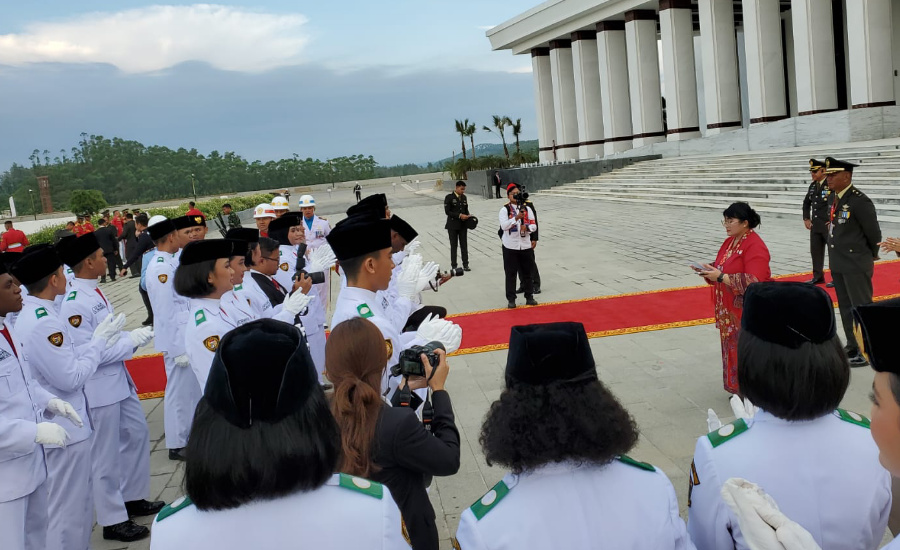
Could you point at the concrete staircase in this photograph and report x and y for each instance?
(773, 182)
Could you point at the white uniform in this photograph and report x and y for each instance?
(209, 324)
(345, 513)
(823, 473)
(620, 506)
(23, 469)
(63, 370)
(120, 446)
(171, 312)
(255, 296)
(287, 263)
(316, 233)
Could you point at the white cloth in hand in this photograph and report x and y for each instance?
(742, 409)
(712, 420)
(426, 275)
(763, 526)
(182, 361)
(49, 433)
(320, 259)
(63, 408)
(408, 278)
(295, 303)
(109, 330)
(141, 336)
(412, 246)
(442, 330)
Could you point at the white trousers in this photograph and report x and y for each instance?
(71, 507)
(182, 394)
(23, 522)
(120, 458)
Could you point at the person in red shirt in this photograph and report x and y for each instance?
(12, 240)
(88, 227)
(192, 210)
(118, 222)
(78, 228)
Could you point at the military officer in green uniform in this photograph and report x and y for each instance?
(815, 217)
(456, 207)
(853, 238)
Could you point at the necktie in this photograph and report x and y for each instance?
(277, 286)
(5, 332)
(97, 290)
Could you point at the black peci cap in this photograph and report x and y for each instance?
(183, 222)
(73, 250)
(35, 263)
(280, 227)
(405, 230)
(203, 251)
(365, 210)
(358, 235)
(875, 328)
(160, 229)
(788, 314)
(245, 234)
(547, 353)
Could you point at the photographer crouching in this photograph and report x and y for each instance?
(517, 223)
(390, 444)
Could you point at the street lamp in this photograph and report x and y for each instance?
(193, 188)
(33, 210)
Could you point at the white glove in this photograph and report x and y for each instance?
(182, 361)
(49, 433)
(295, 303)
(109, 330)
(426, 275)
(408, 278)
(712, 420)
(412, 246)
(763, 526)
(442, 330)
(742, 409)
(141, 337)
(63, 408)
(320, 259)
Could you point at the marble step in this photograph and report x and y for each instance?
(726, 184)
(892, 196)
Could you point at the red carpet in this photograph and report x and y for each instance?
(602, 316)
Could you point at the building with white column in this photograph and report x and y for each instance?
(673, 77)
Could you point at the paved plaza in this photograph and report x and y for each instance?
(667, 379)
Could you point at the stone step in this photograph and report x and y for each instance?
(884, 198)
(728, 184)
(725, 179)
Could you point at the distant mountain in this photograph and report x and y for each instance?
(493, 149)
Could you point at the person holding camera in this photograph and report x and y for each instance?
(389, 444)
(456, 207)
(517, 223)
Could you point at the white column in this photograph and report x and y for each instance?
(814, 56)
(562, 73)
(587, 94)
(643, 77)
(614, 96)
(721, 85)
(682, 109)
(765, 64)
(871, 58)
(543, 100)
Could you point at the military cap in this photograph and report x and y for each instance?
(243, 234)
(35, 263)
(73, 250)
(875, 328)
(833, 165)
(405, 230)
(203, 251)
(160, 229)
(815, 165)
(788, 313)
(546, 353)
(359, 235)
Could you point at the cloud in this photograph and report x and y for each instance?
(153, 38)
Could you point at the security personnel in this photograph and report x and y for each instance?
(62, 370)
(120, 447)
(12, 240)
(815, 217)
(316, 228)
(172, 312)
(853, 237)
(281, 206)
(456, 207)
(24, 430)
(263, 215)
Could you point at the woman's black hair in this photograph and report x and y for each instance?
(792, 384)
(248, 258)
(228, 466)
(192, 281)
(530, 426)
(742, 211)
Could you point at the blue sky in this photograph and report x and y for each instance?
(265, 79)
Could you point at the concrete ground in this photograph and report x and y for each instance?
(667, 379)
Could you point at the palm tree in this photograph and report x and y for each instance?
(462, 128)
(516, 131)
(500, 123)
(470, 131)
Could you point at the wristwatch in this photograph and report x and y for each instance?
(721, 277)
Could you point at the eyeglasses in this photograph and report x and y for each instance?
(729, 221)
(270, 259)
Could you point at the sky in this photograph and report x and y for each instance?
(265, 79)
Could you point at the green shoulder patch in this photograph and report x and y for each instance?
(72, 295)
(853, 418)
(177, 505)
(361, 485)
(490, 499)
(364, 311)
(159, 260)
(40, 312)
(625, 459)
(728, 431)
(239, 287)
(199, 317)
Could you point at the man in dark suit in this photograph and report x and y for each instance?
(496, 182)
(456, 206)
(107, 236)
(853, 237)
(129, 239)
(815, 217)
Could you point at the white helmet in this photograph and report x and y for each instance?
(280, 203)
(156, 219)
(306, 200)
(264, 211)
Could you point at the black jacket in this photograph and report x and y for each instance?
(816, 204)
(853, 241)
(129, 235)
(144, 243)
(408, 456)
(108, 238)
(271, 291)
(453, 207)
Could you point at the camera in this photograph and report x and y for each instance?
(522, 196)
(442, 277)
(410, 362)
(317, 277)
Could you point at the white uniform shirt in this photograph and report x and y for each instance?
(56, 364)
(619, 506)
(338, 515)
(823, 473)
(209, 323)
(255, 296)
(315, 235)
(287, 263)
(22, 404)
(171, 310)
(512, 238)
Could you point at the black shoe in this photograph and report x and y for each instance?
(136, 276)
(830, 285)
(537, 290)
(177, 454)
(147, 322)
(511, 304)
(466, 268)
(144, 507)
(127, 531)
(531, 302)
(815, 281)
(520, 290)
(858, 361)
(113, 279)
(102, 279)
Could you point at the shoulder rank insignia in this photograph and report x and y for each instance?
(489, 500)
(283, 267)
(239, 287)
(361, 485)
(212, 343)
(56, 339)
(625, 459)
(199, 317)
(177, 505)
(75, 321)
(853, 418)
(364, 311)
(728, 431)
(163, 277)
(390, 347)
(40, 312)
(72, 295)
(159, 260)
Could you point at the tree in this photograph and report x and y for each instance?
(516, 128)
(461, 127)
(500, 123)
(470, 131)
(87, 201)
